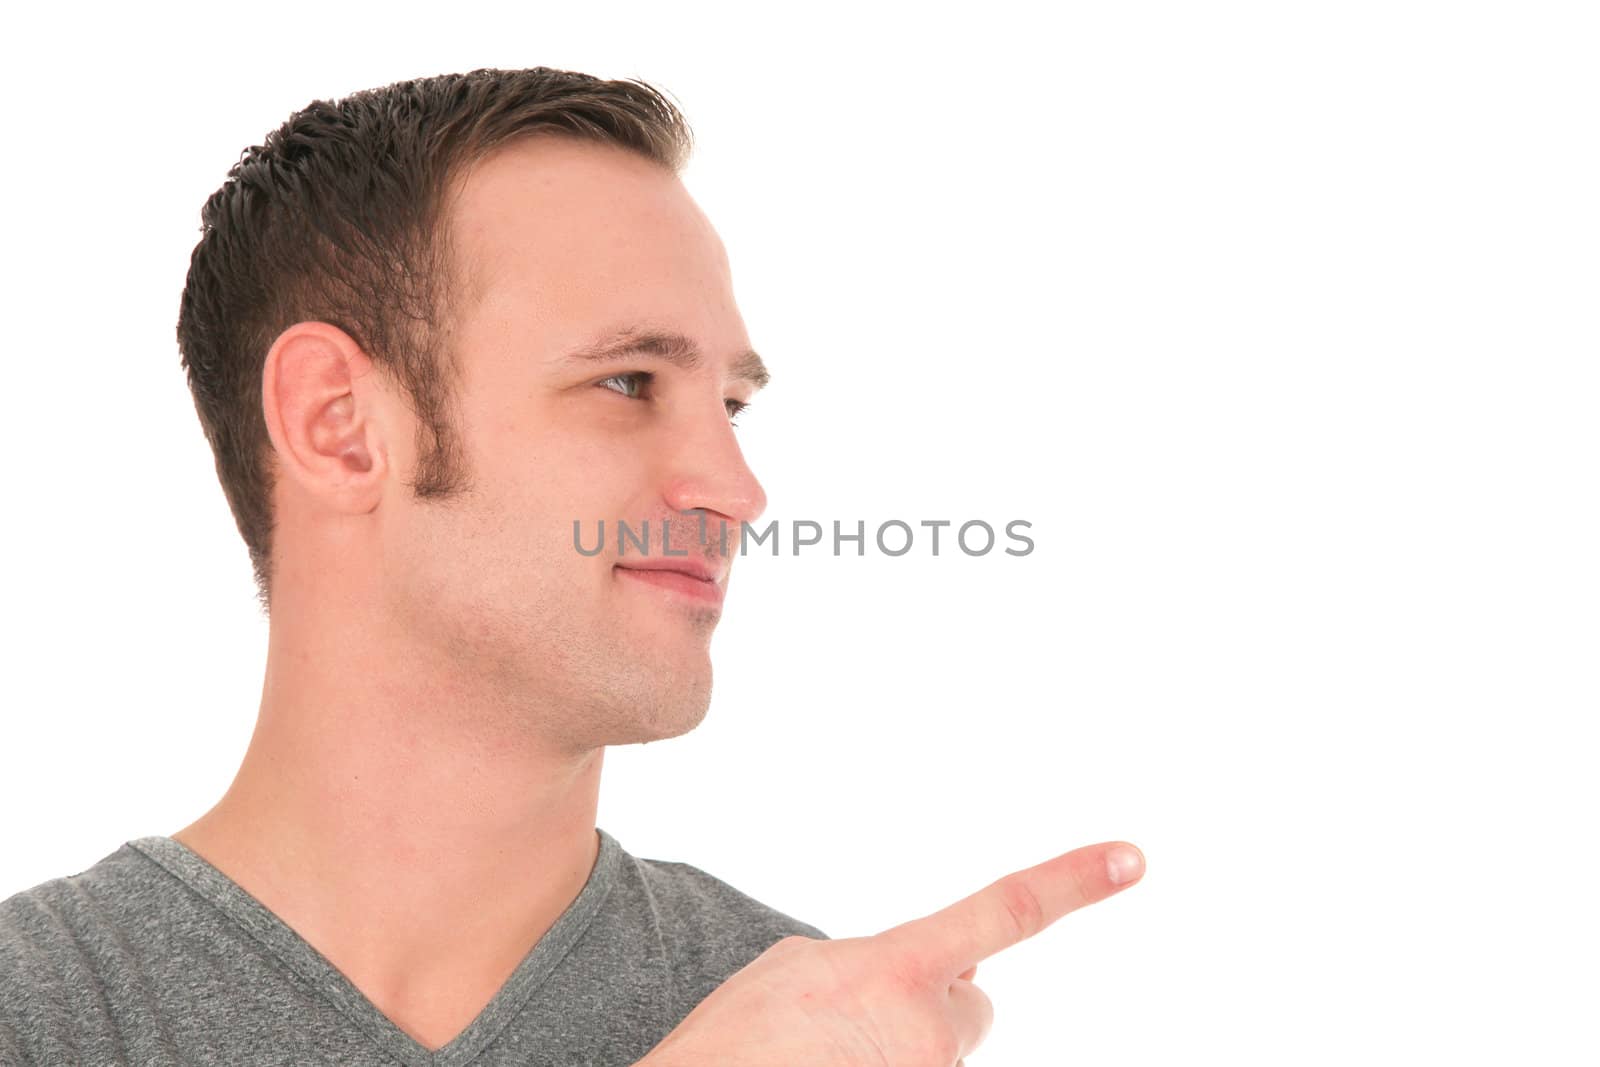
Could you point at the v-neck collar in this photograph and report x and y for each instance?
(301, 957)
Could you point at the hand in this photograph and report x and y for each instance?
(901, 998)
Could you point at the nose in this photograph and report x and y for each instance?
(706, 469)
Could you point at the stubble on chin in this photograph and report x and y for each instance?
(627, 697)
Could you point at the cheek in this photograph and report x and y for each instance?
(568, 462)
(594, 479)
(551, 512)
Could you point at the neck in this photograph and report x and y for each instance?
(406, 822)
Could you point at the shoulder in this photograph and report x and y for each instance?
(53, 919)
(58, 942)
(76, 909)
(706, 924)
(708, 930)
(698, 897)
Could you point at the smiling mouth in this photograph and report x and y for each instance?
(681, 582)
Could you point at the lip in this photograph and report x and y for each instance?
(683, 576)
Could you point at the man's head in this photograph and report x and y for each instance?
(395, 329)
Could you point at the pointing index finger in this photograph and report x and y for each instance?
(1014, 908)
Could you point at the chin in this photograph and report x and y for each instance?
(654, 700)
(680, 712)
(675, 728)
(654, 723)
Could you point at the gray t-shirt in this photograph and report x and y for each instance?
(154, 956)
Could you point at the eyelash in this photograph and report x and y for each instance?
(645, 378)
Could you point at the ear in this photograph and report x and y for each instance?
(323, 413)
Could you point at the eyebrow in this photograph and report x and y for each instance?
(675, 348)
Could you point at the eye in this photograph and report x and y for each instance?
(628, 384)
(735, 409)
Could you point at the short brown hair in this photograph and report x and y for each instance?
(340, 217)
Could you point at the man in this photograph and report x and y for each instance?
(428, 329)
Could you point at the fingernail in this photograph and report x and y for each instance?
(1124, 864)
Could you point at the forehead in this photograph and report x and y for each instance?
(575, 232)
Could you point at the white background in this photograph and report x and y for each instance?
(1278, 322)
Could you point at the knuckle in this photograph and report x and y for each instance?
(791, 943)
(785, 947)
(903, 972)
(891, 960)
(1022, 907)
